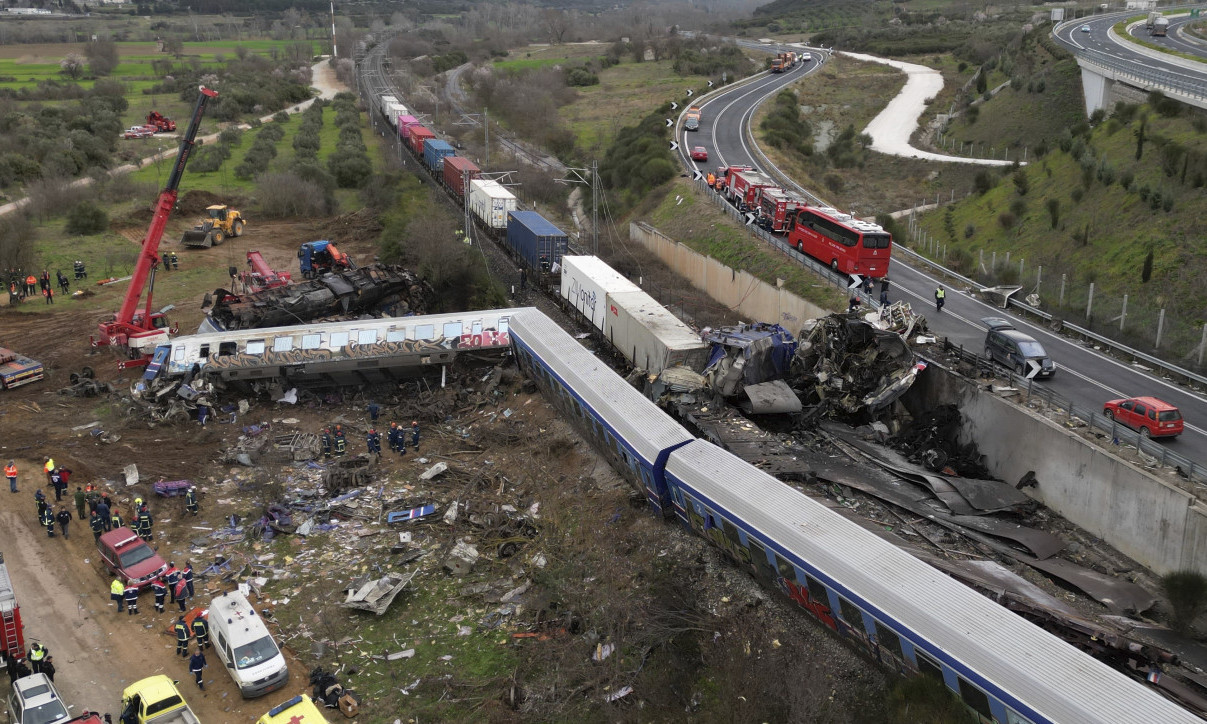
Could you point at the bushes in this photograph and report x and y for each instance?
(1187, 594)
(349, 165)
(639, 158)
(263, 150)
(785, 127)
(581, 77)
(86, 218)
(289, 195)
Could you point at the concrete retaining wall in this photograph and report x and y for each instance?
(742, 292)
(1145, 518)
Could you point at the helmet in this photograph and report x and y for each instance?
(414, 423)
(372, 429)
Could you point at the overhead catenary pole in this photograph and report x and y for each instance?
(595, 207)
(334, 48)
(486, 134)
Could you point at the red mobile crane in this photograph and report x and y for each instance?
(263, 276)
(140, 332)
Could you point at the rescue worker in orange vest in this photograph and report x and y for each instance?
(712, 179)
(49, 468)
(10, 472)
(31, 283)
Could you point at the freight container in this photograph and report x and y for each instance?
(383, 104)
(455, 170)
(393, 111)
(651, 337)
(434, 152)
(404, 126)
(586, 283)
(418, 134)
(490, 202)
(539, 243)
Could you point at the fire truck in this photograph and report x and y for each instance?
(12, 642)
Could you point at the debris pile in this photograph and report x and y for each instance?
(932, 440)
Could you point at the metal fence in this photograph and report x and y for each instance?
(1195, 480)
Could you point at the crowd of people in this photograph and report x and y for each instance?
(24, 285)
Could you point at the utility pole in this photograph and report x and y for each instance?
(486, 134)
(595, 207)
(334, 49)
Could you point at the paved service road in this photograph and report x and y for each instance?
(1086, 377)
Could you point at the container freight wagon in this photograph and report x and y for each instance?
(650, 337)
(490, 202)
(383, 105)
(12, 640)
(404, 126)
(534, 239)
(419, 134)
(17, 369)
(585, 285)
(434, 152)
(456, 170)
(393, 111)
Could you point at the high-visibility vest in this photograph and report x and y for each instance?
(49, 466)
(37, 653)
(117, 587)
(10, 471)
(939, 294)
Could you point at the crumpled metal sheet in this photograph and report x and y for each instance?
(850, 364)
(995, 577)
(769, 398)
(1042, 543)
(1114, 593)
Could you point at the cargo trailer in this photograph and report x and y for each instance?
(419, 134)
(534, 239)
(490, 202)
(456, 170)
(434, 152)
(585, 285)
(650, 337)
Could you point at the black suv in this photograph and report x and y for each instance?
(1009, 347)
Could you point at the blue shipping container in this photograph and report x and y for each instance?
(434, 152)
(534, 240)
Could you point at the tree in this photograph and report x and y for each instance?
(1140, 138)
(102, 56)
(1187, 594)
(1054, 211)
(72, 65)
(1146, 272)
(557, 24)
(1021, 183)
(86, 218)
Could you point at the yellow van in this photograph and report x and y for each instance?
(298, 710)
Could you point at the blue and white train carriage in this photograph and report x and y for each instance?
(899, 610)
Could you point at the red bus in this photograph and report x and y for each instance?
(847, 244)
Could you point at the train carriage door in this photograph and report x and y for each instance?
(760, 565)
(975, 699)
(888, 646)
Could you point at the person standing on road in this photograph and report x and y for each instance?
(196, 666)
(201, 632)
(161, 591)
(131, 595)
(64, 519)
(48, 521)
(48, 668)
(10, 472)
(940, 297)
(40, 502)
(37, 656)
(97, 525)
(117, 592)
(182, 638)
(81, 502)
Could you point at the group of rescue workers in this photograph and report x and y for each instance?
(335, 443)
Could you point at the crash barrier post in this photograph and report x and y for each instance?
(1094, 420)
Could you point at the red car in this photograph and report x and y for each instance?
(129, 557)
(1152, 417)
(699, 153)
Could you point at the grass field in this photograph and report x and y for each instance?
(24, 66)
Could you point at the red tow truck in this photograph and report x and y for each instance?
(160, 123)
(138, 332)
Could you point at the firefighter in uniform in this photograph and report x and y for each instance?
(98, 525)
(196, 665)
(170, 577)
(131, 595)
(201, 632)
(48, 521)
(182, 638)
(326, 443)
(117, 592)
(392, 436)
(144, 525)
(415, 434)
(341, 444)
(186, 575)
(160, 590)
(182, 593)
(190, 500)
(374, 441)
(115, 519)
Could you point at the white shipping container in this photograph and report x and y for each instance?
(383, 103)
(394, 110)
(651, 337)
(490, 202)
(586, 283)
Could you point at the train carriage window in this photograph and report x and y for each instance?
(928, 666)
(817, 591)
(282, 344)
(850, 613)
(396, 335)
(475, 328)
(339, 340)
(255, 346)
(758, 554)
(976, 699)
(889, 640)
(226, 349)
(311, 341)
(1013, 717)
(503, 325)
(204, 353)
(366, 336)
(425, 331)
(452, 330)
(178, 352)
(785, 568)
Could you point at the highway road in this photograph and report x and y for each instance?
(1098, 43)
(1085, 376)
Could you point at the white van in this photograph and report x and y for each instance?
(245, 646)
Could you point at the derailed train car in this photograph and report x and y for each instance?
(899, 610)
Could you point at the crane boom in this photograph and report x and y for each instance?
(139, 333)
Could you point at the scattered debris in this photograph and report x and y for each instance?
(461, 559)
(434, 471)
(375, 594)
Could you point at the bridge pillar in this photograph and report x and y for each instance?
(1097, 90)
